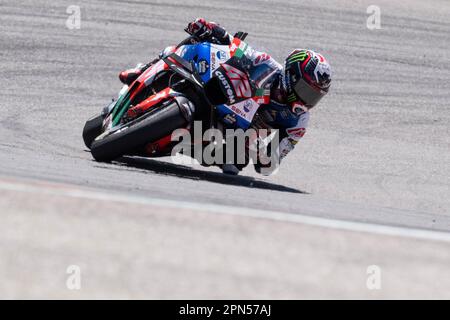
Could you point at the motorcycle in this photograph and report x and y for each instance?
(196, 81)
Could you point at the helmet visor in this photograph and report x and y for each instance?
(308, 95)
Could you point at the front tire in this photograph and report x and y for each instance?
(92, 129)
(137, 133)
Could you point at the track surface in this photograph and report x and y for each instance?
(380, 139)
(378, 147)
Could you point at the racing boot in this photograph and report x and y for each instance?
(128, 76)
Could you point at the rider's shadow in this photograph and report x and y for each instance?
(181, 171)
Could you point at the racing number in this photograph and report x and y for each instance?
(239, 80)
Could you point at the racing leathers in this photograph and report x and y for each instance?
(265, 73)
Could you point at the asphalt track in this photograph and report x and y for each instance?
(377, 151)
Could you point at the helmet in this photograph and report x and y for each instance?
(307, 77)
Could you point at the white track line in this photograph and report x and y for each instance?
(94, 194)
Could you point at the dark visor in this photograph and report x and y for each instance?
(307, 94)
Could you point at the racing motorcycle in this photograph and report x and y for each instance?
(196, 81)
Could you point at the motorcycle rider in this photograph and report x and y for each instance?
(294, 89)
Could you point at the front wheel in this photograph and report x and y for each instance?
(137, 133)
(92, 129)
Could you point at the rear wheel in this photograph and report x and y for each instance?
(137, 133)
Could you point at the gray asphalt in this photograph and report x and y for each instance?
(377, 152)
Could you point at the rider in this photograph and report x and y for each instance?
(294, 89)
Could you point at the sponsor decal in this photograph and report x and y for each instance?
(245, 109)
(226, 85)
(247, 106)
(217, 57)
(203, 66)
(298, 56)
(213, 61)
(237, 111)
(221, 55)
(230, 118)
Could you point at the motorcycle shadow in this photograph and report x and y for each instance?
(181, 171)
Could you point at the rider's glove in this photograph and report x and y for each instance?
(200, 28)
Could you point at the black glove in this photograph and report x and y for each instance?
(200, 28)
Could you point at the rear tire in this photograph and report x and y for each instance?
(136, 134)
